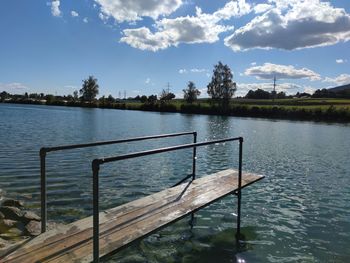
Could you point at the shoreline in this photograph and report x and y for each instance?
(329, 114)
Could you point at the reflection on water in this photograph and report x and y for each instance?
(187, 242)
(299, 212)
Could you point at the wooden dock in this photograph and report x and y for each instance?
(122, 225)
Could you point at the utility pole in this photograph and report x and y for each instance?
(168, 87)
(274, 89)
(124, 94)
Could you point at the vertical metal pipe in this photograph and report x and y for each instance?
(194, 156)
(43, 189)
(239, 195)
(96, 249)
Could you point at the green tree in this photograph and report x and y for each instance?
(4, 95)
(89, 89)
(191, 93)
(281, 95)
(110, 99)
(258, 94)
(143, 98)
(152, 99)
(75, 95)
(165, 96)
(221, 86)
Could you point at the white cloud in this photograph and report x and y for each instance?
(308, 89)
(269, 71)
(85, 20)
(200, 28)
(261, 8)
(74, 13)
(198, 70)
(132, 10)
(72, 87)
(253, 63)
(55, 8)
(288, 88)
(148, 81)
(193, 70)
(340, 61)
(232, 9)
(342, 79)
(172, 32)
(294, 24)
(11, 87)
(103, 17)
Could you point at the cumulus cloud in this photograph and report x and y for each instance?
(55, 8)
(233, 9)
(85, 20)
(269, 71)
(294, 24)
(288, 88)
(133, 10)
(342, 79)
(200, 28)
(172, 32)
(74, 13)
(261, 8)
(308, 89)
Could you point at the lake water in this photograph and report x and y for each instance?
(299, 213)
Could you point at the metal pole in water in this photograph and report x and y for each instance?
(43, 189)
(96, 249)
(194, 156)
(239, 195)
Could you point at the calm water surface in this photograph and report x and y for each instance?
(299, 213)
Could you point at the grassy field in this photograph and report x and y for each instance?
(303, 103)
(330, 110)
(303, 109)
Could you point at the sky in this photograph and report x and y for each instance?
(139, 46)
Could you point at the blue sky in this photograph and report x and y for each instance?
(141, 45)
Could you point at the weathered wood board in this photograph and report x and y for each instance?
(124, 224)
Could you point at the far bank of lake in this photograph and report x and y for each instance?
(328, 110)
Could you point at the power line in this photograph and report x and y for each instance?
(168, 87)
(274, 89)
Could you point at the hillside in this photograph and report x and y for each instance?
(340, 88)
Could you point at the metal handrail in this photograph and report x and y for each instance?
(45, 150)
(96, 163)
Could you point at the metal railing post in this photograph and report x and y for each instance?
(98, 162)
(43, 189)
(96, 249)
(239, 194)
(45, 150)
(194, 156)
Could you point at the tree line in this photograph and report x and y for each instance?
(220, 89)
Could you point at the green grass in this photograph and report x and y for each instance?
(303, 109)
(331, 110)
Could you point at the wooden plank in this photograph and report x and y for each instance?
(124, 224)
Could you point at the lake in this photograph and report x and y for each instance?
(299, 212)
